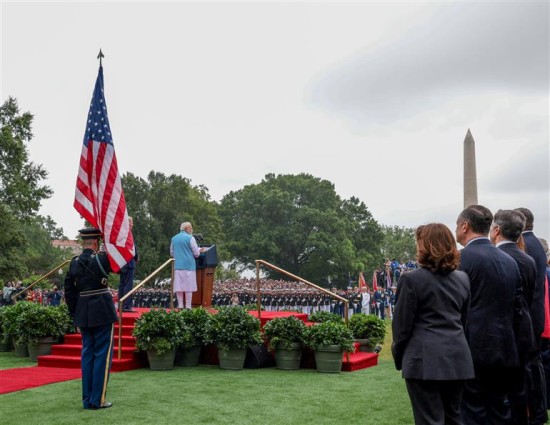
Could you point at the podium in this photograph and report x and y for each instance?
(206, 266)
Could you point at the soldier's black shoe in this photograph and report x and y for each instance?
(105, 405)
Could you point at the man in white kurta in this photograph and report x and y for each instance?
(184, 249)
(365, 300)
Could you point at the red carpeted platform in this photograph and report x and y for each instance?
(359, 360)
(266, 316)
(22, 378)
(67, 355)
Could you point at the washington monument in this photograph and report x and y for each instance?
(470, 178)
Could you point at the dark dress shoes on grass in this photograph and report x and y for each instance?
(105, 405)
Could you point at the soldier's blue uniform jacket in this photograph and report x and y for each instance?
(86, 293)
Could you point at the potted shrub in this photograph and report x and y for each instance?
(11, 326)
(5, 340)
(41, 327)
(233, 329)
(368, 330)
(325, 316)
(193, 325)
(329, 340)
(64, 322)
(285, 337)
(158, 332)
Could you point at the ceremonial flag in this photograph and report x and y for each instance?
(362, 282)
(99, 197)
(374, 282)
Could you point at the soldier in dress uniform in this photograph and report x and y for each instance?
(327, 299)
(91, 306)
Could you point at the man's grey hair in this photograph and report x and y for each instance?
(511, 223)
(185, 225)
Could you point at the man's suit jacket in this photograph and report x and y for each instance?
(494, 276)
(428, 326)
(523, 326)
(534, 249)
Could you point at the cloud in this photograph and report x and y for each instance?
(528, 171)
(461, 48)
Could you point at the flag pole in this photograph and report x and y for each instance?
(100, 56)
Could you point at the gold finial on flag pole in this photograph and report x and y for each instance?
(99, 56)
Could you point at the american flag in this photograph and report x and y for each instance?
(99, 197)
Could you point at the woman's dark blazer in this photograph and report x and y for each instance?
(428, 326)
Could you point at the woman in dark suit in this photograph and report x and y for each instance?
(429, 344)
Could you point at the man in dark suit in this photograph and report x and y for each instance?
(535, 371)
(126, 283)
(494, 277)
(505, 233)
(91, 306)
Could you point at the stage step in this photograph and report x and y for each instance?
(70, 350)
(67, 355)
(71, 362)
(76, 339)
(359, 360)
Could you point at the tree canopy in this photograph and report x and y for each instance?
(399, 242)
(20, 188)
(299, 223)
(21, 193)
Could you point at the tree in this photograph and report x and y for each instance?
(21, 191)
(12, 246)
(20, 179)
(50, 226)
(399, 242)
(365, 233)
(158, 206)
(40, 255)
(300, 224)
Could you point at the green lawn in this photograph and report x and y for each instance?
(207, 395)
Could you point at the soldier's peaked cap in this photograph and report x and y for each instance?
(90, 233)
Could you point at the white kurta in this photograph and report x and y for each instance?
(185, 281)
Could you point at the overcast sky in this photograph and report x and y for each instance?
(375, 97)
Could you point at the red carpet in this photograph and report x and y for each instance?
(22, 378)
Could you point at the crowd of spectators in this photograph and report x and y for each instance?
(389, 271)
(51, 296)
(276, 295)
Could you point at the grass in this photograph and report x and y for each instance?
(208, 395)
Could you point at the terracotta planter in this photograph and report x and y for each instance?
(232, 359)
(289, 359)
(188, 356)
(41, 348)
(161, 361)
(328, 358)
